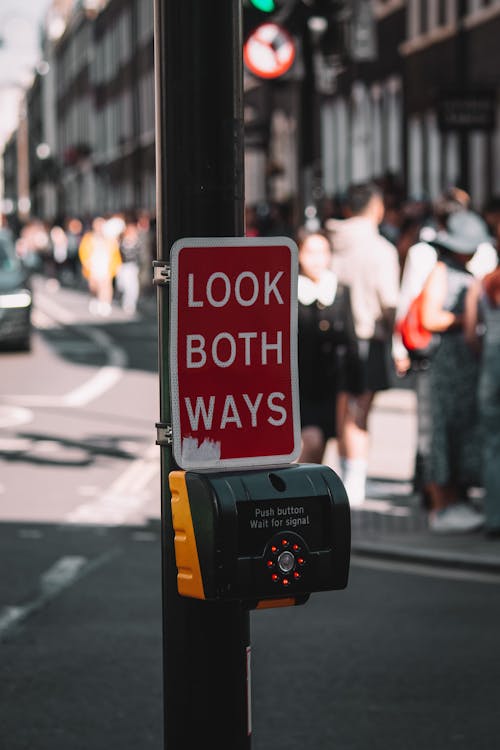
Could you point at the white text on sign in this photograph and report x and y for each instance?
(234, 391)
(224, 349)
(218, 289)
(203, 411)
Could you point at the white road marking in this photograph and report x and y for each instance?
(15, 445)
(13, 416)
(87, 490)
(386, 507)
(124, 497)
(96, 386)
(42, 321)
(63, 574)
(30, 534)
(428, 570)
(46, 447)
(55, 311)
(144, 536)
(99, 383)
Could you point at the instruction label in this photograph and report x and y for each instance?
(261, 520)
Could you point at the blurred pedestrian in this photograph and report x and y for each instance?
(127, 280)
(454, 458)
(420, 260)
(59, 243)
(409, 232)
(327, 345)
(99, 255)
(482, 332)
(147, 239)
(33, 245)
(368, 264)
(74, 229)
(251, 221)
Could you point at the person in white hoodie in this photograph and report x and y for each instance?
(369, 264)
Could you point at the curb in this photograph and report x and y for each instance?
(421, 556)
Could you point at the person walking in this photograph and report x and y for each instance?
(327, 345)
(420, 261)
(368, 264)
(100, 259)
(73, 229)
(59, 244)
(422, 257)
(482, 332)
(128, 274)
(454, 460)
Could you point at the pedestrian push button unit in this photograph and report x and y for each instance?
(267, 538)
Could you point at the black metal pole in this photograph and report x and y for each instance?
(462, 74)
(310, 135)
(200, 193)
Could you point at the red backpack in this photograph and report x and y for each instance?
(413, 334)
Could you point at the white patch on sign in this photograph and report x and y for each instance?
(208, 450)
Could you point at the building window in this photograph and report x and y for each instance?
(415, 154)
(147, 104)
(127, 115)
(441, 12)
(474, 5)
(124, 32)
(413, 19)
(433, 154)
(145, 19)
(423, 23)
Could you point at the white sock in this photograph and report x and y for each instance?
(354, 476)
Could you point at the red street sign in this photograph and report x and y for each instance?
(233, 352)
(269, 51)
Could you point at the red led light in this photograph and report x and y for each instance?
(286, 582)
(270, 564)
(300, 560)
(285, 542)
(274, 577)
(274, 549)
(295, 547)
(296, 575)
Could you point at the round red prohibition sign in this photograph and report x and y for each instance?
(269, 51)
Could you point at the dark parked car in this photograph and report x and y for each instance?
(15, 297)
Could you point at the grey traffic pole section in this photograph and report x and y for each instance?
(200, 193)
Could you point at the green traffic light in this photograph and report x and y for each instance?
(266, 6)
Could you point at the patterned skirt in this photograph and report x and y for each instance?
(455, 455)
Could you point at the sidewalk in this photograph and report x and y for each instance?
(392, 523)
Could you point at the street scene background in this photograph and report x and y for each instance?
(406, 656)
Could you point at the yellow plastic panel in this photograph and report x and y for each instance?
(189, 580)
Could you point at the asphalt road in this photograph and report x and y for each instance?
(406, 657)
(400, 659)
(77, 417)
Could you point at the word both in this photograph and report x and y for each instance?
(225, 349)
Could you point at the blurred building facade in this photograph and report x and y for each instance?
(90, 112)
(419, 112)
(420, 108)
(452, 79)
